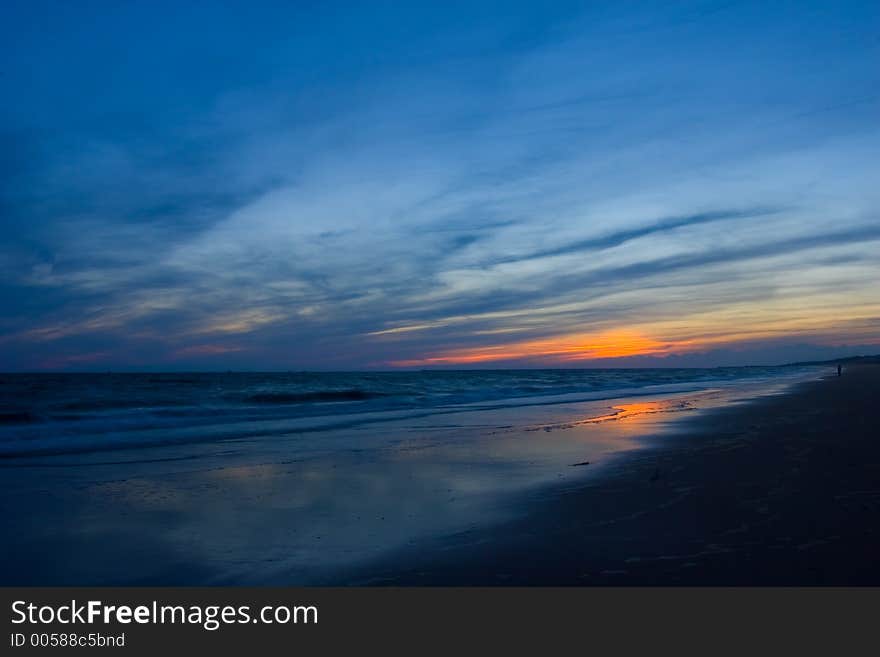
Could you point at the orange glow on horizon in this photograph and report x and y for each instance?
(616, 343)
(824, 321)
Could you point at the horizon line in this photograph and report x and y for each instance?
(438, 368)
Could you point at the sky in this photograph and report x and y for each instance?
(319, 185)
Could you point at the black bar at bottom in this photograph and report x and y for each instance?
(417, 620)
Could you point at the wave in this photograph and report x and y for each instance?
(78, 413)
(117, 404)
(317, 396)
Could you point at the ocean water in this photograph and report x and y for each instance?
(303, 478)
(42, 414)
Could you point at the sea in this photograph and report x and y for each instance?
(44, 414)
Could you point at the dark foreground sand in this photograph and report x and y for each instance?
(781, 491)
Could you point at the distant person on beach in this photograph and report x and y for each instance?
(838, 369)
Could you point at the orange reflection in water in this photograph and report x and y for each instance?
(625, 411)
(636, 414)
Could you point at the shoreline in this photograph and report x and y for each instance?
(99, 425)
(783, 490)
(483, 496)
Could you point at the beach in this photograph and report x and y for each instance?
(692, 477)
(780, 491)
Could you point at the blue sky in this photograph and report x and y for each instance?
(320, 185)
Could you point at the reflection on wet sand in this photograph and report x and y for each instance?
(277, 510)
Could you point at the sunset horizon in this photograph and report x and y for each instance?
(457, 294)
(676, 183)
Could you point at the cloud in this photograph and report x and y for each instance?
(519, 180)
(659, 226)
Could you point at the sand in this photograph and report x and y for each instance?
(690, 488)
(780, 491)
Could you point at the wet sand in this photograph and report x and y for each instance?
(300, 508)
(693, 487)
(780, 491)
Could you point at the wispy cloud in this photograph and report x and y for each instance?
(547, 186)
